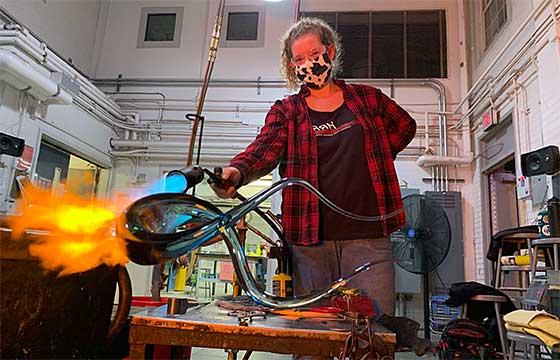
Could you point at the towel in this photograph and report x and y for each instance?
(538, 323)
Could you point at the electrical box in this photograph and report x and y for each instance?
(452, 269)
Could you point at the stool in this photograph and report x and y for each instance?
(521, 240)
(545, 243)
(526, 339)
(204, 276)
(498, 300)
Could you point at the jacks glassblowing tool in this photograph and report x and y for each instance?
(161, 227)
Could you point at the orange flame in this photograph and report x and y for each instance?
(80, 233)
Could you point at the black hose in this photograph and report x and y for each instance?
(125, 300)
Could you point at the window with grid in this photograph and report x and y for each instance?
(395, 44)
(495, 16)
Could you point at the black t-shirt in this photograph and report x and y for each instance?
(344, 176)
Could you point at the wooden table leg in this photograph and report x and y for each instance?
(137, 350)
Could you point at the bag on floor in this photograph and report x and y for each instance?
(465, 339)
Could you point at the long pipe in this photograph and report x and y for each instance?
(207, 75)
(34, 80)
(157, 93)
(164, 145)
(6, 15)
(484, 99)
(536, 10)
(434, 84)
(535, 37)
(21, 37)
(91, 99)
(516, 130)
(556, 16)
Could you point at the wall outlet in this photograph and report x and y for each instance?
(523, 187)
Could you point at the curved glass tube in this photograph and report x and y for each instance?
(161, 227)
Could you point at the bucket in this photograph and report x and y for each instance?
(45, 316)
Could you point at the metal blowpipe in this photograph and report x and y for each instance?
(161, 227)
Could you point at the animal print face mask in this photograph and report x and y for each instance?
(315, 73)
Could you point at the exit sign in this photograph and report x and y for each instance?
(489, 119)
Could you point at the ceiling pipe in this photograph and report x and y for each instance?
(90, 98)
(436, 160)
(536, 10)
(23, 76)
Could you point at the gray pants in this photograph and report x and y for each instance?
(316, 267)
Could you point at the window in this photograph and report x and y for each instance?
(160, 27)
(495, 16)
(243, 26)
(395, 44)
(58, 168)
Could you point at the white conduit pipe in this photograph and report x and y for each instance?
(556, 16)
(427, 130)
(536, 10)
(482, 99)
(436, 160)
(16, 39)
(159, 155)
(86, 87)
(92, 99)
(24, 77)
(516, 131)
(115, 143)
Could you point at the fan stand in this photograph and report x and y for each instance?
(422, 244)
(426, 298)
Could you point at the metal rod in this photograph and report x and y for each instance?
(426, 283)
(209, 67)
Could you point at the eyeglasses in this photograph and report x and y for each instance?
(313, 54)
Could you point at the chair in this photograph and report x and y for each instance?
(497, 301)
(204, 279)
(514, 241)
(545, 244)
(533, 342)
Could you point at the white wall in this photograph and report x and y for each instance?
(120, 55)
(68, 26)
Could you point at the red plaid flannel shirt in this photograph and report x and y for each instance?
(287, 139)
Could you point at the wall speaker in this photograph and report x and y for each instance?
(542, 161)
(10, 145)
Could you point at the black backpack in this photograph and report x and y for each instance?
(465, 339)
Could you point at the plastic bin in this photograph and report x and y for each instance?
(441, 314)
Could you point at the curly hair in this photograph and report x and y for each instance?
(308, 25)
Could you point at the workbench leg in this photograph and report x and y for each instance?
(137, 351)
(232, 354)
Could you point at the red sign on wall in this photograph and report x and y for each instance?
(489, 119)
(24, 161)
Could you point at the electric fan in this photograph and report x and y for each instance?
(422, 244)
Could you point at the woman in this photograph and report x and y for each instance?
(343, 140)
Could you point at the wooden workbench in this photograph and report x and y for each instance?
(209, 326)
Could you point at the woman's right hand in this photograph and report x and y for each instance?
(233, 176)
